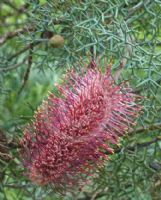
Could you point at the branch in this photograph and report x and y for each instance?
(15, 33)
(137, 7)
(15, 55)
(6, 69)
(146, 128)
(17, 24)
(22, 51)
(140, 145)
(15, 186)
(26, 75)
(141, 129)
(146, 86)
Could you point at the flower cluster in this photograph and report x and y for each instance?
(72, 134)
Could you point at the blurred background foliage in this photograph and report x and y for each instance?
(126, 33)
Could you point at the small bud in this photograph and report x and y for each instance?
(56, 41)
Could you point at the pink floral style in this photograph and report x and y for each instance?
(72, 134)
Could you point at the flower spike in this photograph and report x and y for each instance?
(73, 134)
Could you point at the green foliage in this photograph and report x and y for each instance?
(128, 32)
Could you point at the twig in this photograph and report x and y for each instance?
(137, 7)
(6, 69)
(26, 75)
(15, 33)
(146, 87)
(140, 129)
(11, 24)
(139, 145)
(147, 128)
(22, 51)
(145, 144)
(15, 186)
(19, 52)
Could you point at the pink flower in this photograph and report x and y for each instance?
(72, 134)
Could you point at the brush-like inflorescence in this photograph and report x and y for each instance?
(71, 135)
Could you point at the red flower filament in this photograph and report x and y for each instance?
(72, 134)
